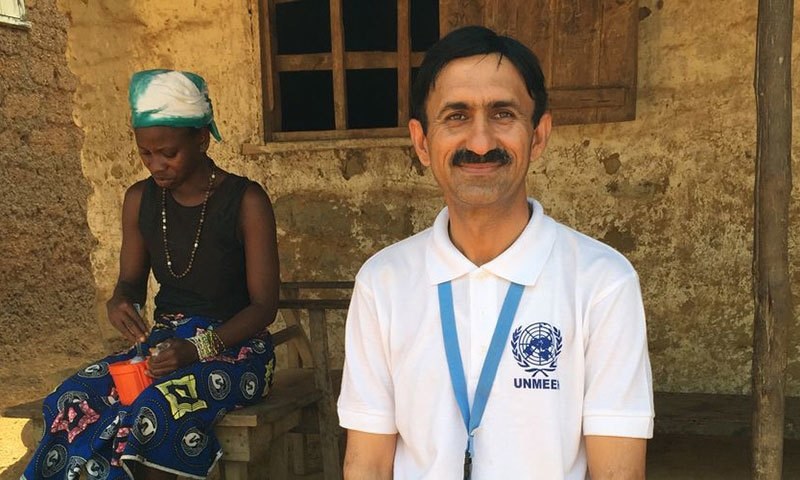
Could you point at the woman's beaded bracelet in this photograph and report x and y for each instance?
(218, 344)
(208, 345)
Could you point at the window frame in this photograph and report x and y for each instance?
(338, 61)
(17, 17)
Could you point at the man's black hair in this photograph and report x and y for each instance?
(468, 42)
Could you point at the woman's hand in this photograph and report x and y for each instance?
(124, 317)
(172, 354)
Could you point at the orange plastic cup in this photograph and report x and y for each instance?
(130, 379)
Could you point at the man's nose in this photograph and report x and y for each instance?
(481, 139)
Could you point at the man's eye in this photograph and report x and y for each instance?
(504, 114)
(457, 117)
(170, 154)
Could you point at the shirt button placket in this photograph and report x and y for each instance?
(480, 287)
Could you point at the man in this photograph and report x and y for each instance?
(559, 314)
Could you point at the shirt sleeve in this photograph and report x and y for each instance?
(618, 395)
(366, 401)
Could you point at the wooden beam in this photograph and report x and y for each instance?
(403, 61)
(351, 134)
(352, 61)
(339, 74)
(715, 414)
(316, 145)
(318, 285)
(773, 186)
(288, 333)
(316, 303)
(271, 105)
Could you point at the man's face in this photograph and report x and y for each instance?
(480, 138)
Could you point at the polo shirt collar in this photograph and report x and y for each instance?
(521, 263)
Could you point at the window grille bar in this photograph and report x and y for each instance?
(269, 79)
(403, 61)
(337, 54)
(308, 62)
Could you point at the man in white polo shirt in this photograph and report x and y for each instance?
(497, 344)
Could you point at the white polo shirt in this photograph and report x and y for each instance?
(575, 362)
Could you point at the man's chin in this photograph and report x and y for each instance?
(476, 196)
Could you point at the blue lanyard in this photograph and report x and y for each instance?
(489, 370)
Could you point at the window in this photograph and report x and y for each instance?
(12, 12)
(342, 69)
(337, 69)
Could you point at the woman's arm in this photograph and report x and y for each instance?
(257, 223)
(134, 266)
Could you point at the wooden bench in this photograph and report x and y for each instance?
(715, 414)
(255, 439)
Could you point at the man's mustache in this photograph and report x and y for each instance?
(495, 155)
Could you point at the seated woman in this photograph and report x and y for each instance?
(209, 238)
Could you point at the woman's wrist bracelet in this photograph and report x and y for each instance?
(208, 345)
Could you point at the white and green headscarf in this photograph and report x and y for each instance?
(170, 98)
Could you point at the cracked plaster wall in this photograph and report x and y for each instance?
(47, 293)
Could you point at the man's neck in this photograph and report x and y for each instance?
(482, 234)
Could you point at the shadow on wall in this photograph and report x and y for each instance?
(333, 236)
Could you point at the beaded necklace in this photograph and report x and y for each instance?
(211, 179)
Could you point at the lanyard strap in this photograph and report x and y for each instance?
(473, 419)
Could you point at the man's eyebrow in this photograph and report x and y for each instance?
(453, 106)
(505, 104)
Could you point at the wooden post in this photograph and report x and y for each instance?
(328, 423)
(773, 310)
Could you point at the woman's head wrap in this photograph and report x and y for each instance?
(170, 98)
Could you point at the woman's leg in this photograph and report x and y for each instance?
(80, 419)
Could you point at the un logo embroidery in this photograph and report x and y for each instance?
(536, 347)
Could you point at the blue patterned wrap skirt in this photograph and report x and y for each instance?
(169, 426)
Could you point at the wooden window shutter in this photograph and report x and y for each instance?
(587, 49)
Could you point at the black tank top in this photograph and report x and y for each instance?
(216, 285)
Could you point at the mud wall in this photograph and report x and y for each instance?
(47, 288)
(672, 189)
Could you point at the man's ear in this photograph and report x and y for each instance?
(540, 136)
(420, 141)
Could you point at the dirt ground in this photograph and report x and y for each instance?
(23, 382)
(669, 457)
